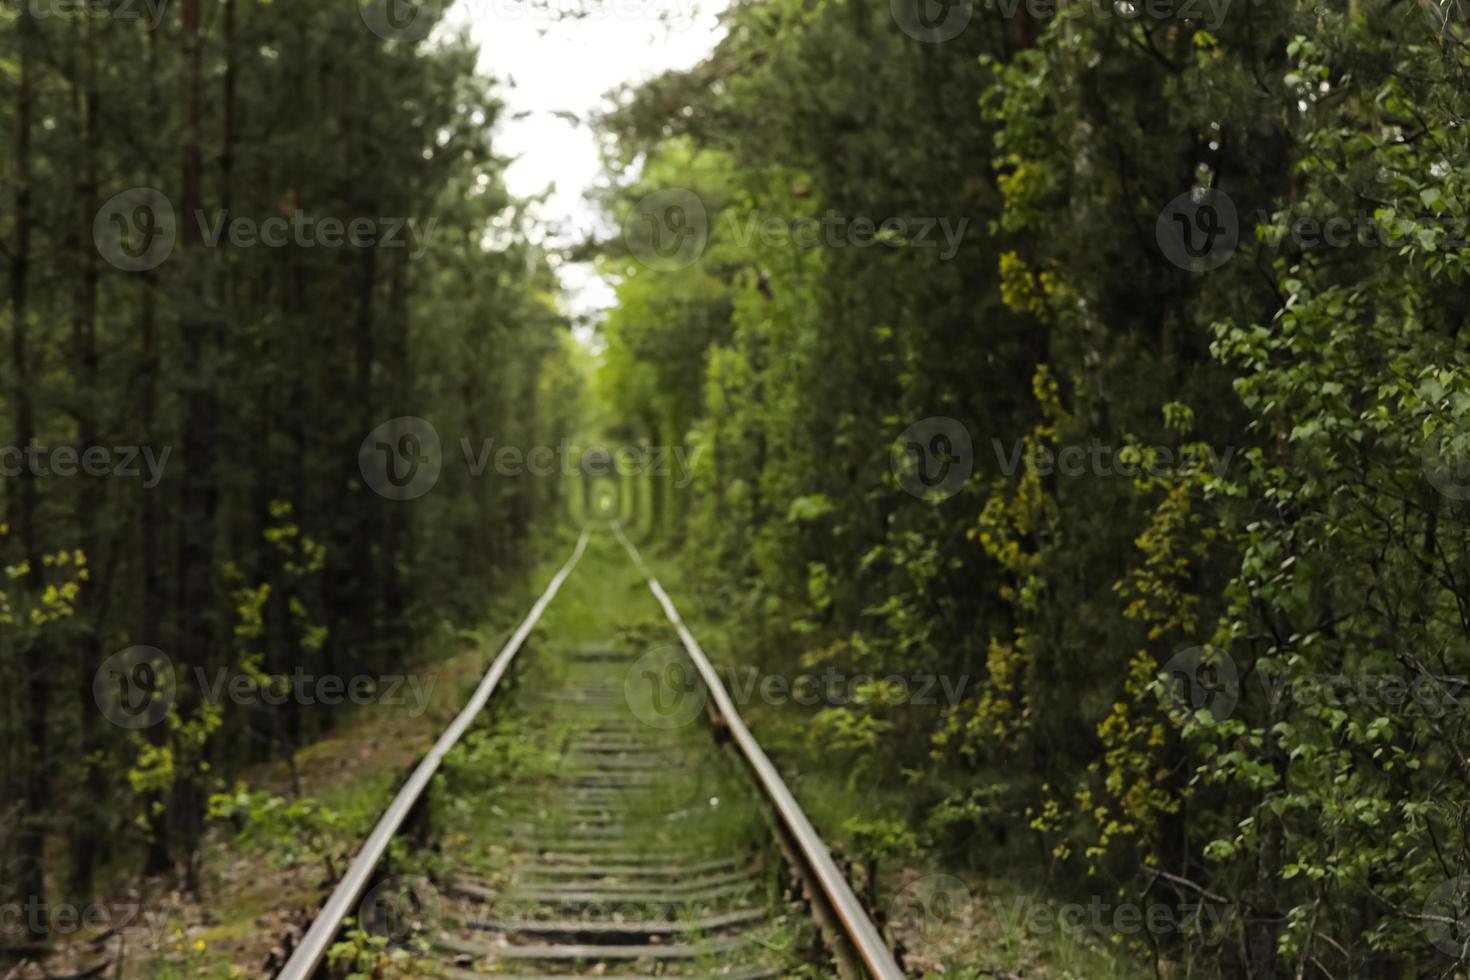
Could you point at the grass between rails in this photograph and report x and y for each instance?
(499, 802)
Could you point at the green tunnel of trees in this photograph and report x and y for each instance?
(922, 247)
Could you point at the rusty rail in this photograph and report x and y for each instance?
(312, 949)
(816, 864)
(859, 928)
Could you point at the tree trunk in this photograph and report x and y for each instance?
(37, 656)
(84, 340)
(197, 488)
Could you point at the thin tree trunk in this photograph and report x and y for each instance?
(656, 483)
(24, 503)
(197, 489)
(396, 540)
(84, 340)
(160, 853)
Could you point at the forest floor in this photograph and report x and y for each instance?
(256, 891)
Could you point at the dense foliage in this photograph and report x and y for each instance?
(247, 370)
(1209, 572)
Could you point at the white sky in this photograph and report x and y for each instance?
(568, 65)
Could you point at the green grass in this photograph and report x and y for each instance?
(506, 775)
(602, 597)
(606, 604)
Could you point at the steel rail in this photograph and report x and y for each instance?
(855, 922)
(313, 947)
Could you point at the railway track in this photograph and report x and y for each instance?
(615, 861)
(623, 844)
